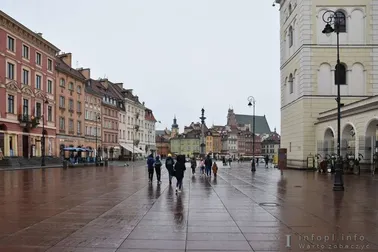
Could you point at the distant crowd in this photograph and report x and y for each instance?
(177, 168)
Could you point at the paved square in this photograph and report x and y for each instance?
(114, 208)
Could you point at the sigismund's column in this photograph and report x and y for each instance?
(203, 145)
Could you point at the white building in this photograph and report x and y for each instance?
(308, 59)
(149, 132)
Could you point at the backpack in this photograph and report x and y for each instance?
(158, 164)
(169, 162)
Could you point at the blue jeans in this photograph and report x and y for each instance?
(208, 171)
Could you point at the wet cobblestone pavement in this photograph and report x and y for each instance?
(114, 208)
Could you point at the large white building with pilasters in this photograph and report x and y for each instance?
(308, 91)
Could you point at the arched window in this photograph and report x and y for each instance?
(341, 20)
(341, 74)
(291, 83)
(291, 37)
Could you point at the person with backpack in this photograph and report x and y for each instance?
(193, 165)
(169, 163)
(150, 167)
(158, 165)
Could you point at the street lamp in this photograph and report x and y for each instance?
(43, 161)
(252, 102)
(97, 120)
(335, 19)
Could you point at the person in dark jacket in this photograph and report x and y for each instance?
(158, 166)
(169, 163)
(179, 170)
(208, 164)
(193, 165)
(150, 166)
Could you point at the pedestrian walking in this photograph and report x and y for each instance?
(179, 170)
(224, 161)
(267, 161)
(150, 167)
(202, 166)
(157, 166)
(193, 165)
(215, 169)
(169, 163)
(208, 164)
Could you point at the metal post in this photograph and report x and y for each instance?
(133, 145)
(252, 102)
(253, 138)
(43, 162)
(335, 18)
(96, 142)
(338, 184)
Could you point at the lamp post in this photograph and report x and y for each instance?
(43, 161)
(252, 102)
(97, 120)
(335, 19)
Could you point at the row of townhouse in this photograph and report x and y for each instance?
(42, 94)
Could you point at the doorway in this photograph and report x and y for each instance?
(25, 144)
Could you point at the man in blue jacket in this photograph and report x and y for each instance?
(150, 166)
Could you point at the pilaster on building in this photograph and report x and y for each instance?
(308, 60)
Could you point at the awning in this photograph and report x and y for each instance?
(127, 147)
(139, 151)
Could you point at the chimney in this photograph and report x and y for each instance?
(136, 98)
(86, 72)
(104, 83)
(39, 34)
(67, 58)
(143, 103)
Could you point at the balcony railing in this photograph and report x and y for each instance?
(28, 121)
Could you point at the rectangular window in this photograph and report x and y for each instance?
(78, 107)
(25, 108)
(11, 104)
(38, 109)
(49, 114)
(49, 64)
(61, 123)
(25, 51)
(61, 102)
(70, 126)
(38, 82)
(25, 76)
(38, 59)
(10, 71)
(10, 44)
(71, 105)
(49, 86)
(78, 127)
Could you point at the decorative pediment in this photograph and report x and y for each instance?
(27, 91)
(12, 86)
(40, 95)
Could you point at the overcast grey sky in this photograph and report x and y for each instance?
(177, 55)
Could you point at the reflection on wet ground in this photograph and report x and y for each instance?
(116, 209)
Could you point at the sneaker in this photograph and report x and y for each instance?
(179, 191)
(159, 182)
(176, 189)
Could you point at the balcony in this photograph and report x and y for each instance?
(28, 121)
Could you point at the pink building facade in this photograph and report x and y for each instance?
(27, 89)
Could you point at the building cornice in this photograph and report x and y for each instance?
(19, 29)
(351, 109)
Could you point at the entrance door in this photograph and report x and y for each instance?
(25, 146)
